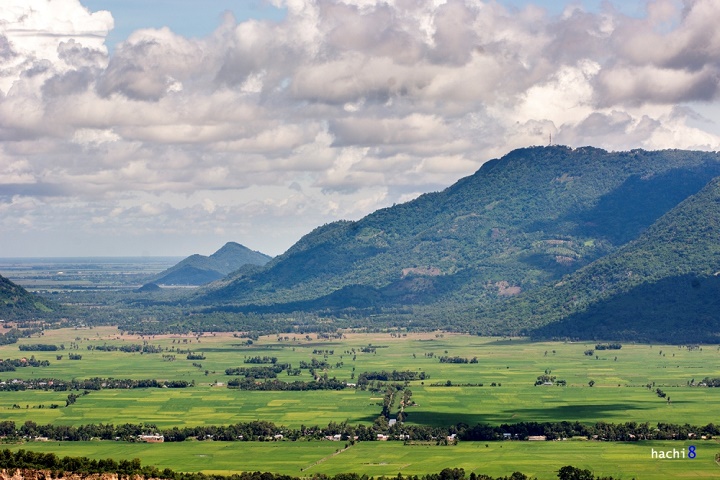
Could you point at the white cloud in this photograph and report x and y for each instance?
(94, 136)
(35, 31)
(266, 129)
(643, 84)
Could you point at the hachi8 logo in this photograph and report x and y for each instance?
(674, 454)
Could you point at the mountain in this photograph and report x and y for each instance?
(519, 223)
(200, 269)
(663, 286)
(16, 302)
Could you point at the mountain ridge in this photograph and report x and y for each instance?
(200, 269)
(517, 223)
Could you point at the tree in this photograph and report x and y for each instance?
(452, 474)
(591, 382)
(569, 472)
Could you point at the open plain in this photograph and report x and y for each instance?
(496, 386)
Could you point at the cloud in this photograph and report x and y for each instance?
(267, 128)
(31, 32)
(670, 56)
(649, 84)
(410, 130)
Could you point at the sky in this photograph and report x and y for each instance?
(171, 127)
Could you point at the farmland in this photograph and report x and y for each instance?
(451, 392)
(496, 386)
(541, 459)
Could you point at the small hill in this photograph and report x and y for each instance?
(189, 275)
(149, 288)
(200, 269)
(16, 302)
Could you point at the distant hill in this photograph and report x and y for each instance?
(16, 302)
(663, 286)
(200, 269)
(518, 224)
(148, 288)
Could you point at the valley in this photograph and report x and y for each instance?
(498, 388)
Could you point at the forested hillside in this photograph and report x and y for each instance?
(16, 302)
(519, 223)
(664, 286)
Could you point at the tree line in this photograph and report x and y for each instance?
(263, 359)
(394, 376)
(131, 348)
(10, 364)
(95, 383)
(260, 430)
(24, 460)
(271, 384)
(456, 359)
(38, 347)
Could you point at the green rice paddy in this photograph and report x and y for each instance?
(540, 459)
(450, 394)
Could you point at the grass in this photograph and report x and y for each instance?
(620, 394)
(541, 459)
(192, 406)
(448, 406)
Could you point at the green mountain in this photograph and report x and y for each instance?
(201, 269)
(663, 286)
(16, 302)
(519, 223)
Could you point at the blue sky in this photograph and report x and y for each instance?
(174, 141)
(199, 18)
(628, 7)
(191, 18)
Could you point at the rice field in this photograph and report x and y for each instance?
(539, 459)
(498, 387)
